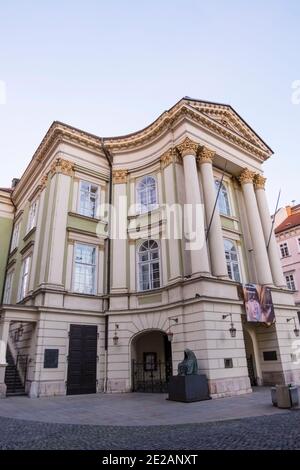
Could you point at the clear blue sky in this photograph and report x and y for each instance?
(111, 67)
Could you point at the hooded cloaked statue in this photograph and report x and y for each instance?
(189, 365)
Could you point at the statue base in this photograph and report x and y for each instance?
(188, 388)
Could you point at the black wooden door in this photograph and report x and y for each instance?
(82, 360)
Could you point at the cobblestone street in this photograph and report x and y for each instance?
(281, 431)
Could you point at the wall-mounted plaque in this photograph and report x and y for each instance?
(51, 358)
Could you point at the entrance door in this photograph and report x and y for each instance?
(82, 360)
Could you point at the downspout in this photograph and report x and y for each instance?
(108, 271)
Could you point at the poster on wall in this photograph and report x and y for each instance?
(258, 303)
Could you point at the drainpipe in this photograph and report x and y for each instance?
(108, 271)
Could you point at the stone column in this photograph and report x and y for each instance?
(215, 236)
(4, 331)
(119, 232)
(257, 236)
(273, 253)
(193, 206)
(174, 229)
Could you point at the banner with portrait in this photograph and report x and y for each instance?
(258, 303)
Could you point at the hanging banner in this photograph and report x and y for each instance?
(258, 303)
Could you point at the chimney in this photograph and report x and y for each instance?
(14, 183)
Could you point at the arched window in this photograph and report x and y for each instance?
(148, 265)
(223, 199)
(232, 261)
(147, 194)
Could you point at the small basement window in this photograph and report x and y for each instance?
(228, 364)
(270, 355)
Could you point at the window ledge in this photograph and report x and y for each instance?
(28, 234)
(140, 214)
(86, 217)
(13, 252)
(229, 217)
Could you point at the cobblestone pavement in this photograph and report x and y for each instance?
(280, 431)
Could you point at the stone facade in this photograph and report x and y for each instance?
(191, 289)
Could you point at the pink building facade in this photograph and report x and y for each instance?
(287, 231)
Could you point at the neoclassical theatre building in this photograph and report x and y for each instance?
(99, 297)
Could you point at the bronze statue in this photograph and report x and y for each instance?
(189, 365)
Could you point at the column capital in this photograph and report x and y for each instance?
(246, 176)
(63, 166)
(187, 147)
(206, 155)
(119, 176)
(259, 181)
(169, 157)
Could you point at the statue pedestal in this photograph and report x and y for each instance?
(188, 388)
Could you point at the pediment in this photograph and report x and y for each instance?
(227, 117)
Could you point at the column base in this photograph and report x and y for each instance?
(2, 390)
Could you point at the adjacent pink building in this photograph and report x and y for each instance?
(287, 231)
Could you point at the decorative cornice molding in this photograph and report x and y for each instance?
(62, 166)
(187, 147)
(168, 157)
(246, 176)
(43, 182)
(259, 181)
(206, 155)
(120, 176)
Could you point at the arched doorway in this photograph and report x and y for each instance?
(252, 357)
(151, 355)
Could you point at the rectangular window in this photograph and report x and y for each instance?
(8, 286)
(15, 236)
(290, 281)
(88, 199)
(284, 250)
(32, 217)
(270, 355)
(84, 269)
(24, 278)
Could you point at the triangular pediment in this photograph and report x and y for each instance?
(224, 115)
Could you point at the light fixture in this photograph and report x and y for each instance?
(296, 330)
(170, 334)
(116, 337)
(19, 332)
(232, 329)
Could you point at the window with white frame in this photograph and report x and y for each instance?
(7, 289)
(149, 265)
(15, 236)
(88, 199)
(32, 217)
(290, 281)
(232, 260)
(24, 281)
(223, 198)
(147, 194)
(284, 250)
(84, 278)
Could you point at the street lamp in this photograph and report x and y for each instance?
(116, 337)
(170, 334)
(296, 330)
(232, 329)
